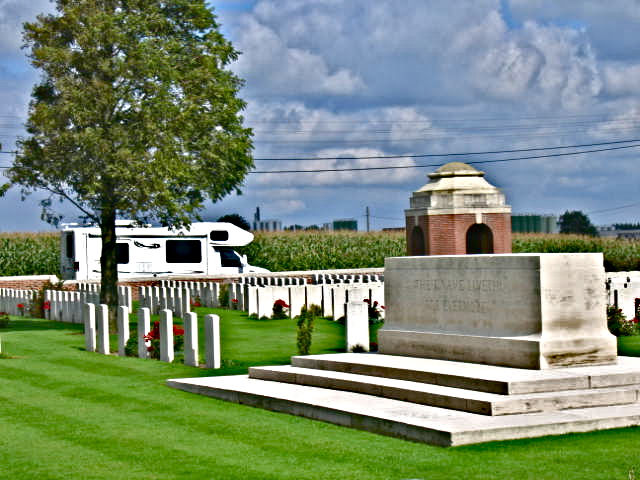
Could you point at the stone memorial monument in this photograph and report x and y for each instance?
(534, 311)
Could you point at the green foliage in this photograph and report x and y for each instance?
(4, 320)
(578, 223)
(311, 250)
(620, 255)
(315, 310)
(235, 219)
(131, 347)
(305, 323)
(224, 295)
(618, 323)
(29, 254)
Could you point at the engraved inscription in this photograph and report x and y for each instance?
(460, 284)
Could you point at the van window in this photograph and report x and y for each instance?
(70, 245)
(122, 252)
(229, 258)
(219, 235)
(184, 251)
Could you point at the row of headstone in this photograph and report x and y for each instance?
(322, 278)
(623, 291)
(331, 298)
(16, 302)
(124, 292)
(175, 299)
(96, 321)
(67, 306)
(266, 281)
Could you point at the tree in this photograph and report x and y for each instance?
(135, 115)
(576, 222)
(236, 219)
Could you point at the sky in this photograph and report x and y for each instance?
(424, 82)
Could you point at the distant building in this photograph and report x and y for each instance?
(616, 232)
(345, 224)
(267, 226)
(534, 223)
(260, 225)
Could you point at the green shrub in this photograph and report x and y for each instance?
(4, 320)
(305, 323)
(131, 347)
(618, 323)
(224, 295)
(315, 310)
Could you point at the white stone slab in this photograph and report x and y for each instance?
(404, 419)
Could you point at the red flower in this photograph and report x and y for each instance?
(46, 305)
(20, 305)
(178, 330)
(235, 300)
(280, 303)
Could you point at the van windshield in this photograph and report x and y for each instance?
(228, 258)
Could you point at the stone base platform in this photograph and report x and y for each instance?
(437, 401)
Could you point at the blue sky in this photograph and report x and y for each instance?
(361, 78)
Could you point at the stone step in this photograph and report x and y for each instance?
(447, 397)
(407, 420)
(477, 377)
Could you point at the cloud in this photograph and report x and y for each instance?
(622, 79)
(279, 69)
(13, 13)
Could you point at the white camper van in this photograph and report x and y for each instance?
(204, 249)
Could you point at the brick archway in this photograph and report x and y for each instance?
(417, 246)
(479, 239)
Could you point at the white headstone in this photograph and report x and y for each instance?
(144, 327)
(90, 327)
(123, 329)
(166, 336)
(212, 340)
(357, 331)
(103, 329)
(191, 339)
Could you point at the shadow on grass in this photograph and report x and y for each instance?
(21, 324)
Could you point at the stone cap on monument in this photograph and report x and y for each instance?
(458, 185)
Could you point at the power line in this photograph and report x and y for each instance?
(426, 155)
(396, 167)
(614, 208)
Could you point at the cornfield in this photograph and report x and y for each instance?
(38, 253)
(290, 251)
(29, 254)
(620, 255)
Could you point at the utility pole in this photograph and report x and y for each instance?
(368, 215)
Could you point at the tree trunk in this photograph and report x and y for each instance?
(109, 264)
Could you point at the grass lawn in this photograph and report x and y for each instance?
(629, 346)
(69, 414)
